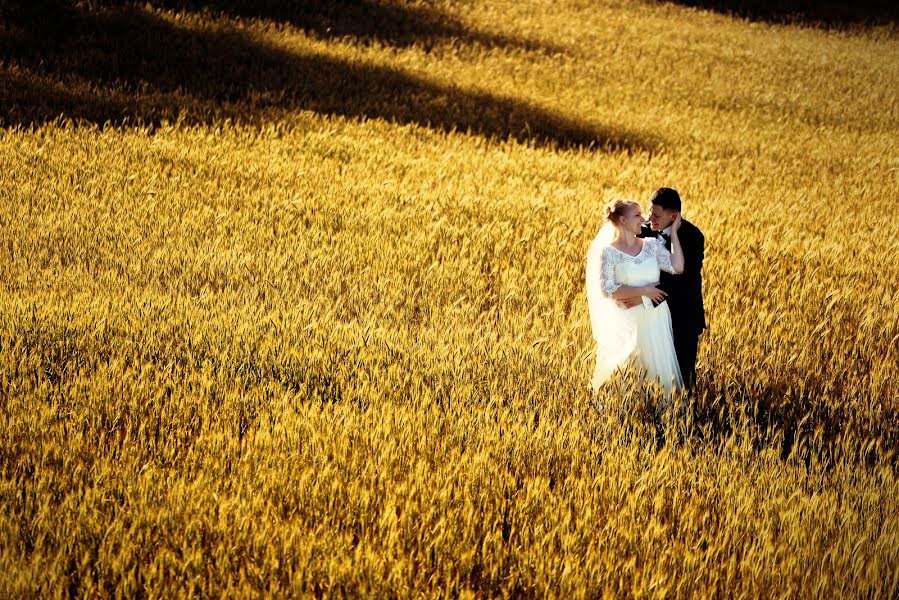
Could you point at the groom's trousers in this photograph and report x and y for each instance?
(686, 344)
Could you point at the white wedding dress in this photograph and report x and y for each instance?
(642, 333)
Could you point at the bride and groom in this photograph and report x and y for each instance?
(644, 291)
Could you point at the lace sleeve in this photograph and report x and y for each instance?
(607, 271)
(663, 255)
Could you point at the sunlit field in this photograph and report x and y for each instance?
(292, 302)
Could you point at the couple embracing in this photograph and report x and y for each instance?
(644, 291)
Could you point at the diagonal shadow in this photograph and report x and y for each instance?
(825, 13)
(391, 22)
(128, 64)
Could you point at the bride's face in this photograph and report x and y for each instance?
(632, 219)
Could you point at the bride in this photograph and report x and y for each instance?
(621, 266)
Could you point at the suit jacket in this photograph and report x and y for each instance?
(684, 290)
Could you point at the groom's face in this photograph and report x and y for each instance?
(660, 218)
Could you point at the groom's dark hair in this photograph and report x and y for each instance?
(666, 198)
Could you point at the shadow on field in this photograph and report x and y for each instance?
(824, 13)
(802, 419)
(389, 22)
(128, 65)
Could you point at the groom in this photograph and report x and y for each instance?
(685, 290)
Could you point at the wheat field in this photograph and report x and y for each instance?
(293, 303)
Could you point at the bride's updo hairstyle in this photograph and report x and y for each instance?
(617, 208)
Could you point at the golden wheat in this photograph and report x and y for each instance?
(339, 351)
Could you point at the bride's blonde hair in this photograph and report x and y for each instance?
(614, 209)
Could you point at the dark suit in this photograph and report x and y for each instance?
(685, 296)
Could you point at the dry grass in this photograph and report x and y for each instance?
(321, 330)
